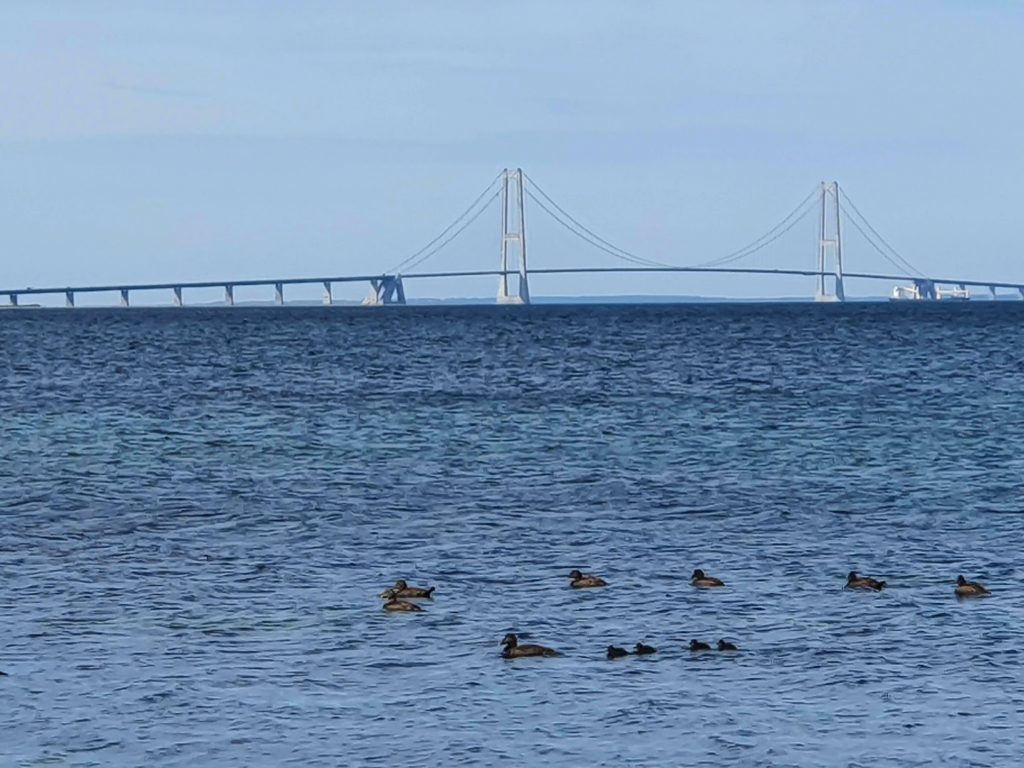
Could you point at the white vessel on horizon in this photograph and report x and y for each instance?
(905, 293)
(956, 293)
(913, 293)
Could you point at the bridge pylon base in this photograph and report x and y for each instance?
(385, 290)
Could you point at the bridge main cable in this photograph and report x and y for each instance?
(579, 229)
(896, 259)
(769, 237)
(422, 254)
(586, 234)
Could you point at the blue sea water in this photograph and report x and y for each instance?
(200, 506)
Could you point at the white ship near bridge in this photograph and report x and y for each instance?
(913, 293)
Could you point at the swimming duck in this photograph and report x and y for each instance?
(401, 589)
(853, 581)
(394, 604)
(965, 588)
(643, 650)
(700, 579)
(581, 580)
(725, 645)
(697, 645)
(513, 650)
(616, 653)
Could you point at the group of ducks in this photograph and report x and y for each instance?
(401, 590)
(964, 588)
(511, 649)
(398, 596)
(642, 650)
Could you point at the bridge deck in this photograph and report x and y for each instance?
(177, 286)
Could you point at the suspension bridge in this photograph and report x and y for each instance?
(511, 188)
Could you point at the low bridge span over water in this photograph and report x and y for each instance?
(511, 189)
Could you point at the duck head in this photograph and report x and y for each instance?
(575, 574)
(698, 574)
(510, 640)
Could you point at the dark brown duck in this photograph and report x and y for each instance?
(513, 650)
(583, 580)
(396, 605)
(965, 588)
(853, 581)
(401, 589)
(701, 579)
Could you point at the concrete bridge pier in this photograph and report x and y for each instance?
(124, 298)
(278, 293)
(12, 299)
(1021, 290)
(397, 291)
(992, 290)
(926, 289)
(328, 296)
(385, 290)
(229, 295)
(178, 302)
(69, 299)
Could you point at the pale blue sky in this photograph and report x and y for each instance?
(210, 140)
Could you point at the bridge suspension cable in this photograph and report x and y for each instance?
(896, 259)
(801, 211)
(429, 250)
(563, 217)
(456, 233)
(594, 241)
(583, 232)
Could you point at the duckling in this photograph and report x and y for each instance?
(401, 589)
(513, 650)
(580, 580)
(643, 650)
(853, 581)
(965, 588)
(700, 579)
(616, 653)
(697, 645)
(725, 645)
(394, 604)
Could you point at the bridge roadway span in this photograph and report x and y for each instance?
(377, 279)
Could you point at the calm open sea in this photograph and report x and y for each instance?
(200, 506)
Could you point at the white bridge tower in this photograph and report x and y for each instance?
(830, 245)
(513, 238)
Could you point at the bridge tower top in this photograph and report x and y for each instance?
(830, 245)
(513, 238)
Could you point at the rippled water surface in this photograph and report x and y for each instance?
(200, 507)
